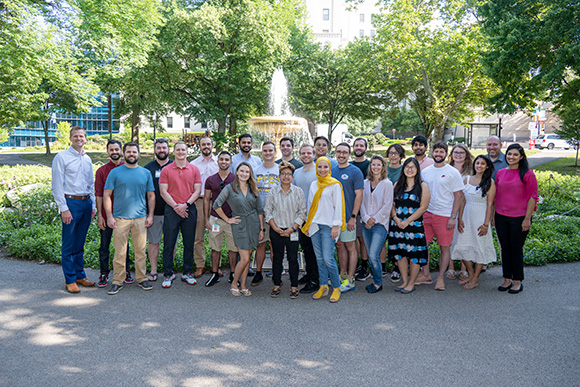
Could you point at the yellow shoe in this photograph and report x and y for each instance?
(322, 292)
(335, 295)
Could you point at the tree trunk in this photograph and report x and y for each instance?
(46, 142)
(135, 121)
(439, 132)
(221, 125)
(330, 130)
(110, 115)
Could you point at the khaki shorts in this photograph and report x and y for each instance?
(216, 239)
(155, 232)
(266, 233)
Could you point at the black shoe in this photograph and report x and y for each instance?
(358, 269)
(516, 291)
(214, 279)
(114, 289)
(258, 278)
(310, 287)
(395, 276)
(103, 281)
(373, 289)
(129, 279)
(362, 275)
(505, 288)
(145, 285)
(304, 280)
(251, 272)
(231, 278)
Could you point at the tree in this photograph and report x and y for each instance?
(533, 52)
(215, 60)
(334, 84)
(435, 67)
(63, 133)
(117, 36)
(51, 78)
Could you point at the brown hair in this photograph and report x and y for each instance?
(251, 181)
(286, 165)
(467, 168)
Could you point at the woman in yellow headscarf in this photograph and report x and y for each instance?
(326, 218)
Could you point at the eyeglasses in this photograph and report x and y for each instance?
(458, 153)
(410, 167)
(393, 153)
(286, 174)
(341, 152)
(222, 183)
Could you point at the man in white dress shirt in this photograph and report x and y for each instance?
(73, 189)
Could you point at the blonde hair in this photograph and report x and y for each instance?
(384, 171)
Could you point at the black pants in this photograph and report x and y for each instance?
(279, 243)
(309, 258)
(172, 224)
(512, 239)
(104, 256)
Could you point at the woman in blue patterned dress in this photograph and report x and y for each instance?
(407, 242)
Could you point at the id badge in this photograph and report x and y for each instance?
(215, 227)
(158, 174)
(294, 237)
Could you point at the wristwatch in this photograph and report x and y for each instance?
(453, 216)
(353, 216)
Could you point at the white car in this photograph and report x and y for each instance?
(551, 141)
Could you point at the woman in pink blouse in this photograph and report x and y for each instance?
(515, 202)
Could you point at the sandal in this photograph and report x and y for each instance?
(294, 294)
(152, 277)
(463, 275)
(235, 292)
(470, 285)
(246, 292)
(451, 274)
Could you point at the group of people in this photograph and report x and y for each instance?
(379, 209)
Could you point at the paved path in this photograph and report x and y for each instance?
(197, 336)
(15, 159)
(545, 156)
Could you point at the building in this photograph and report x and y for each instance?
(32, 134)
(336, 22)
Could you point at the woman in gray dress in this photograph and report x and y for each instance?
(247, 221)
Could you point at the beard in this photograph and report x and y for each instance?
(161, 156)
(439, 159)
(246, 149)
(359, 154)
(115, 157)
(419, 152)
(132, 160)
(206, 152)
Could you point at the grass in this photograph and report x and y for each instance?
(96, 157)
(564, 166)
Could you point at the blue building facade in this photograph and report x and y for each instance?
(94, 122)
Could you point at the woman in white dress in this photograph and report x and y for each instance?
(473, 241)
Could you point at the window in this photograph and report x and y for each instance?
(373, 32)
(204, 125)
(361, 33)
(169, 122)
(361, 18)
(325, 14)
(186, 123)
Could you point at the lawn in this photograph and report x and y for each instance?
(564, 166)
(96, 157)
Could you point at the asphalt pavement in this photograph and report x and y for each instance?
(198, 336)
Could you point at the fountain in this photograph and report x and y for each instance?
(280, 123)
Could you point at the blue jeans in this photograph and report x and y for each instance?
(374, 241)
(73, 239)
(324, 249)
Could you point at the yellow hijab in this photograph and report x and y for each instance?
(322, 183)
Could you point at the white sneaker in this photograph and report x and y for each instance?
(188, 279)
(167, 281)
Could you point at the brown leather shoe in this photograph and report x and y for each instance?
(220, 273)
(72, 288)
(198, 273)
(85, 282)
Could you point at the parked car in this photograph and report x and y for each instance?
(551, 141)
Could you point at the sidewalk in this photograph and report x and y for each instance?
(197, 336)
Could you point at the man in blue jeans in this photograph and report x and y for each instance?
(74, 194)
